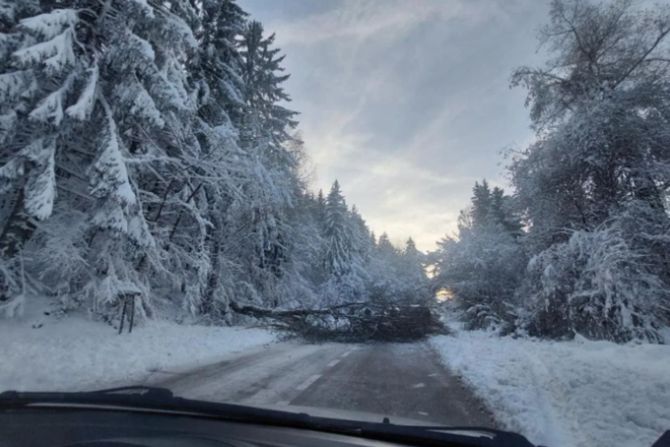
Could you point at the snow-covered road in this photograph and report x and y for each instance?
(402, 380)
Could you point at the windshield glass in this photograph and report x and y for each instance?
(447, 212)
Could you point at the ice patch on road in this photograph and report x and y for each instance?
(580, 393)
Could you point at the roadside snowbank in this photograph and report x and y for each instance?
(564, 394)
(77, 354)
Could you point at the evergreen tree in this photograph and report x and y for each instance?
(320, 209)
(133, 89)
(484, 266)
(362, 245)
(221, 106)
(266, 121)
(337, 233)
(264, 136)
(481, 203)
(412, 268)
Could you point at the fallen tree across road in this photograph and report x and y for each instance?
(355, 321)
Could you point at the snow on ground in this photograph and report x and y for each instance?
(563, 394)
(74, 353)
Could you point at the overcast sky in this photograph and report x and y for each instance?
(406, 102)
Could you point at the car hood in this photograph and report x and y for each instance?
(336, 413)
(362, 416)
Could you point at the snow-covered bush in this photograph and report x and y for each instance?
(599, 285)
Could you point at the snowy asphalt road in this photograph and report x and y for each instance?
(402, 380)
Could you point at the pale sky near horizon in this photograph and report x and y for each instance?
(406, 102)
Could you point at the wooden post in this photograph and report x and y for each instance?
(123, 314)
(132, 312)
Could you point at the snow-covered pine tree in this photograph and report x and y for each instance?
(264, 135)
(31, 111)
(484, 265)
(39, 72)
(266, 120)
(116, 67)
(145, 97)
(338, 256)
(481, 203)
(320, 209)
(216, 72)
(362, 245)
(346, 278)
(504, 212)
(219, 64)
(417, 287)
(383, 275)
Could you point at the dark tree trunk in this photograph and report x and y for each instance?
(17, 229)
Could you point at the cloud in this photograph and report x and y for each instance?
(406, 102)
(360, 20)
(396, 195)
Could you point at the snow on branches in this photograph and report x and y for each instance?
(148, 143)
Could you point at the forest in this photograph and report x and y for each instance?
(148, 149)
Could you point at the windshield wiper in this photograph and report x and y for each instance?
(161, 400)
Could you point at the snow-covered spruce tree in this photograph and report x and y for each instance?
(146, 86)
(271, 186)
(320, 207)
(30, 114)
(361, 251)
(397, 275)
(343, 266)
(361, 235)
(304, 267)
(484, 265)
(266, 121)
(337, 260)
(304, 240)
(385, 281)
(102, 117)
(338, 232)
(600, 107)
(412, 269)
(216, 72)
(220, 62)
(304, 244)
